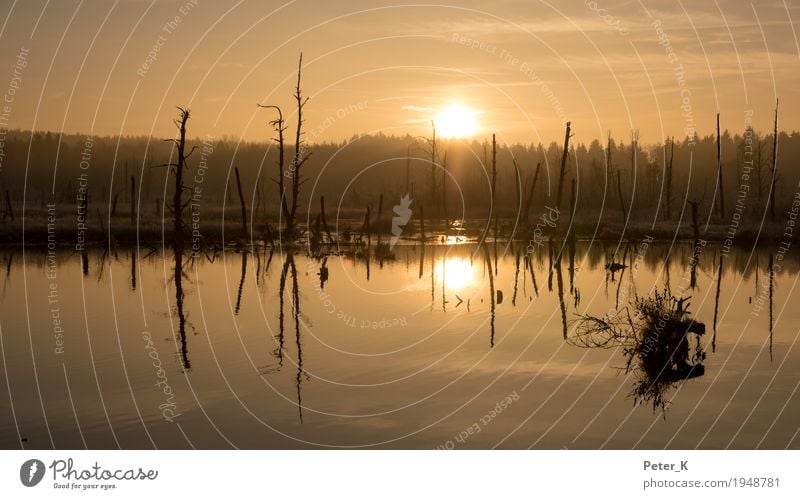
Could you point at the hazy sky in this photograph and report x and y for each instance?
(371, 65)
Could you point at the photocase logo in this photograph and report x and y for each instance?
(403, 213)
(31, 472)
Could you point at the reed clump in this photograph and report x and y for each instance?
(659, 341)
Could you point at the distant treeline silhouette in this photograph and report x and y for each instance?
(49, 167)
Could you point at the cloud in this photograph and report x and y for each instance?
(420, 109)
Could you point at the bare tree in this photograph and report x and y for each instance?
(491, 187)
(529, 199)
(562, 171)
(609, 167)
(668, 176)
(518, 181)
(774, 165)
(177, 169)
(300, 156)
(245, 231)
(621, 200)
(434, 155)
(444, 192)
(133, 199)
(494, 172)
(280, 127)
(634, 164)
(719, 174)
(759, 170)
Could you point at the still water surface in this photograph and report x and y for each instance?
(441, 346)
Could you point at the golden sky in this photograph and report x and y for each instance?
(518, 68)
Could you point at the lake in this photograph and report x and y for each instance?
(460, 346)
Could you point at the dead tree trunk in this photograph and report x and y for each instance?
(83, 210)
(245, 231)
(518, 181)
(102, 224)
(300, 156)
(609, 167)
(133, 199)
(529, 199)
(759, 180)
(572, 208)
(634, 177)
(695, 226)
(432, 187)
(719, 174)
(178, 169)
(621, 199)
(774, 166)
(257, 203)
(422, 223)
(444, 194)
(365, 229)
(325, 220)
(280, 127)
(408, 169)
(378, 220)
(493, 194)
(668, 175)
(114, 201)
(9, 209)
(492, 187)
(562, 171)
(494, 173)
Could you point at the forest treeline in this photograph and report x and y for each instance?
(52, 168)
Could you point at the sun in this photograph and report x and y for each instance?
(456, 122)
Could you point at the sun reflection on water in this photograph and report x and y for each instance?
(457, 272)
